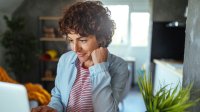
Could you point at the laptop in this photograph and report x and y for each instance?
(13, 98)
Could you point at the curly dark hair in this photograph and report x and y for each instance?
(89, 18)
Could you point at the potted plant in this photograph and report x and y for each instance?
(165, 100)
(20, 47)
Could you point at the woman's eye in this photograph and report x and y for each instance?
(83, 41)
(70, 41)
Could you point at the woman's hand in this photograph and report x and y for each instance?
(99, 55)
(43, 109)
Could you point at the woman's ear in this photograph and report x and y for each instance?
(101, 44)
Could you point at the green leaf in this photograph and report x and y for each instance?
(172, 100)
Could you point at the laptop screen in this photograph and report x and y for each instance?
(13, 98)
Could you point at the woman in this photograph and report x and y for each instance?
(89, 78)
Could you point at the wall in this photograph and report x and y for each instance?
(191, 71)
(31, 10)
(169, 10)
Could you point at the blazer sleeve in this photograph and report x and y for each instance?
(108, 83)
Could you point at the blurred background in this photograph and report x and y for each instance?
(150, 34)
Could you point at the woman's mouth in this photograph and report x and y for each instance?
(80, 54)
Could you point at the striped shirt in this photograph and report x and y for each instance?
(80, 99)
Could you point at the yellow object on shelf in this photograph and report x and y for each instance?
(52, 53)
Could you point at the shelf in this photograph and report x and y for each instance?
(49, 18)
(50, 60)
(48, 79)
(50, 38)
(56, 39)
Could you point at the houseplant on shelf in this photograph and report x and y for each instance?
(20, 47)
(165, 100)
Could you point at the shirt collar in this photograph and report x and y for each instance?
(74, 58)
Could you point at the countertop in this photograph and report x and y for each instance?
(175, 66)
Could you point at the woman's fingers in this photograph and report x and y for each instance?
(43, 109)
(99, 55)
(37, 109)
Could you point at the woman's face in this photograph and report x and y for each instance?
(83, 46)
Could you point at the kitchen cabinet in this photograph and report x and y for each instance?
(167, 72)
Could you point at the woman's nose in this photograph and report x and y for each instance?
(76, 47)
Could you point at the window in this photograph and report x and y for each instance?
(139, 29)
(133, 29)
(120, 14)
